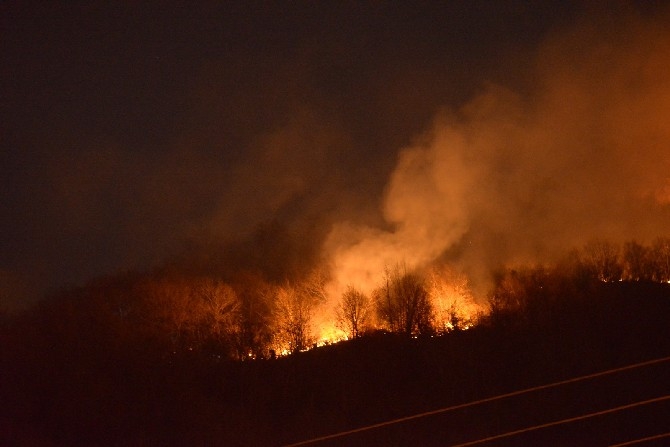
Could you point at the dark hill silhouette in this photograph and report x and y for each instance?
(70, 377)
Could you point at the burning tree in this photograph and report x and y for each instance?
(294, 307)
(402, 302)
(292, 319)
(353, 312)
(454, 307)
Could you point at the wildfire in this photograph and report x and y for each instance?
(329, 334)
(341, 312)
(453, 304)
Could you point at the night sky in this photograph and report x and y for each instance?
(482, 132)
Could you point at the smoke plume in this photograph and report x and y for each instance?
(277, 139)
(511, 177)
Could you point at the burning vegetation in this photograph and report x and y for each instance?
(324, 189)
(174, 313)
(193, 356)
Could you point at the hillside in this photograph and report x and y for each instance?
(101, 391)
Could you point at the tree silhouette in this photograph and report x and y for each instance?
(217, 310)
(637, 262)
(292, 318)
(508, 296)
(169, 310)
(353, 312)
(254, 335)
(402, 302)
(453, 305)
(602, 259)
(522, 295)
(661, 259)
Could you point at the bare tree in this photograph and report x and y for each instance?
(454, 307)
(353, 312)
(508, 294)
(603, 260)
(170, 310)
(292, 319)
(314, 286)
(254, 337)
(637, 262)
(402, 302)
(218, 311)
(660, 254)
(520, 295)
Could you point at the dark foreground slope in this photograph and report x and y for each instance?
(88, 389)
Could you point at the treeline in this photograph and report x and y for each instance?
(608, 261)
(439, 300)
(532, 292)
(169, 312)
(153, 359)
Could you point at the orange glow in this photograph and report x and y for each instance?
(330, 335)
(326, 330)
(453, 304)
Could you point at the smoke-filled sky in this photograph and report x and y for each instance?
(352, 133)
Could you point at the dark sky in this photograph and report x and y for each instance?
(134, 132)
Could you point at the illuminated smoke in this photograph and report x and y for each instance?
(425, 204)
(285, 158)
(511, 177)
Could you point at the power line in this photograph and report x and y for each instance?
(564, 421)
(479, 401)
(648, 438)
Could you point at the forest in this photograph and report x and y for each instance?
(176, 357)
